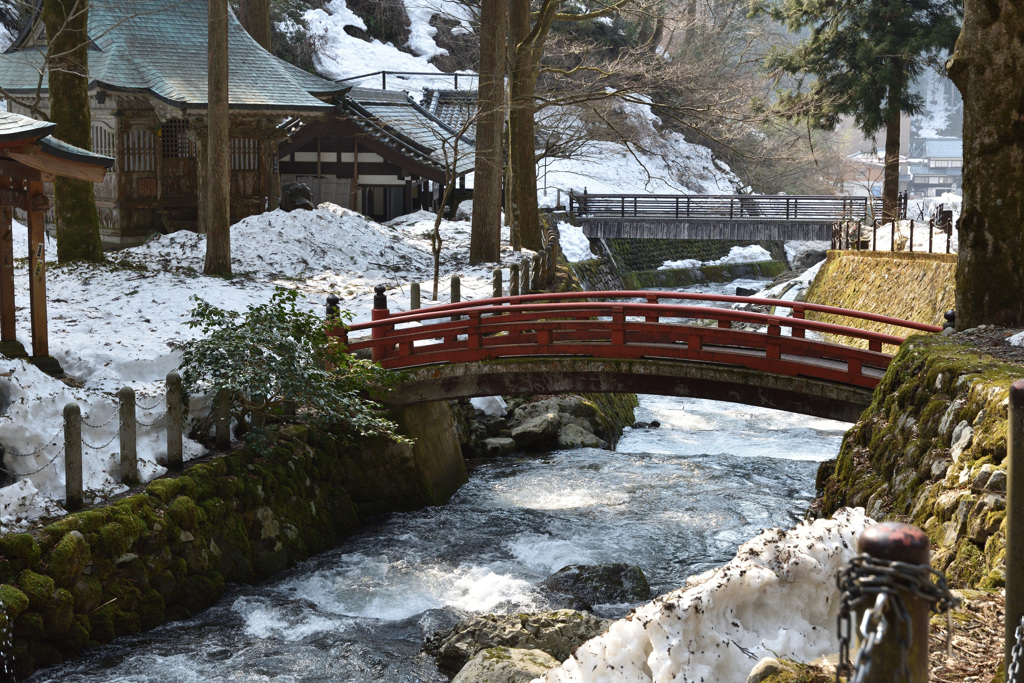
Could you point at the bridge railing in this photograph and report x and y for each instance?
(725, 207)
(619, 327)
(929, 237)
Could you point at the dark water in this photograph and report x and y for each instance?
(676, 501)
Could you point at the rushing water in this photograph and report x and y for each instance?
(675, 500)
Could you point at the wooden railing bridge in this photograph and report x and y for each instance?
(648, 342)
(741, 217)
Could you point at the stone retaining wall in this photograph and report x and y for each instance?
(167, 550)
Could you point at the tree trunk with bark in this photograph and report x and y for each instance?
(78, 225)
(522, 152)
(891, 179)
(254, 15)
(988, 68)
(218, 153)
(485, 239)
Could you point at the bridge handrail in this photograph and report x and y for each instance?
(796, 306)
(591, 310)
(771, 207)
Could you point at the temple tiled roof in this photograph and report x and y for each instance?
(159, 47)
(456, 108)
(400, 122)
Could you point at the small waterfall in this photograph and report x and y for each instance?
(6, 644)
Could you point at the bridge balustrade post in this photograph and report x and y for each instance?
(513, 279)
(474, 340)
(931, 235)
(677, 207)
(798, 314)
(618, 326)
(892, 240)
(911, 236)
(622, 209)
(524, 270)
(652, 317)
(379, 333)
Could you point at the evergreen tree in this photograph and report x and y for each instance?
(78, 226)
(861, 56)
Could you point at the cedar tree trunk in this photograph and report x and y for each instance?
(891, 179)
(78, 226)
(485, 239)
(218, 179)
(988, 68)
(522, 147)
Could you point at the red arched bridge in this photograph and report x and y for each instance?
(668, 343)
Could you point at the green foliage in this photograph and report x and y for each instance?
(859, 55)
(274, 363)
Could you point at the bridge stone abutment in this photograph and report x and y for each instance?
(667, 378)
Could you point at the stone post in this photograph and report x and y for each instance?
(524, 269)
(72, 457)
(129, 455)
(414, 296)
(175, 421)
(222, 420)
(513, 280)
(496, 283)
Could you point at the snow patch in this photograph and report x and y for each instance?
(757, 603)
(574, 244)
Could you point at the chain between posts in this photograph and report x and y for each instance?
(1016, 656)
(868, 577)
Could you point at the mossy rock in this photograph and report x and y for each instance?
(37, 587)
(58, 614)
(30, 626)
(45, 654)
(21, 552)
(151, 609)
(184, 512)
(68, 558)
(12, 600)
(78, 635)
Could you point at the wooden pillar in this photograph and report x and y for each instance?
(408, 195)
(355, 177)
(37, 204)
(7, 320)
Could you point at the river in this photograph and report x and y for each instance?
(676, 501)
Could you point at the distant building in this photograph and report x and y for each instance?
(936, 166)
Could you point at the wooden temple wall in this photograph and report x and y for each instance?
(152, 187)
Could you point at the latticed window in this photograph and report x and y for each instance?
(175, 142)
(245, 154)
(139, 150)
(103, 141)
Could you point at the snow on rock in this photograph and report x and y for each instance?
(799, 252)
(491, 406)
(1016, 340)
(340, 55)
(574, 244)
(758, 602)
(749, 254)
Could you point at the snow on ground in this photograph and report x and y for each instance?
(120, 323)
(725, 620)
(750, 254)
(574, 244)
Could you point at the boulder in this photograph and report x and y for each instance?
(506, 665)
(498, 446)
(557, 633)
(575, 436)
(296, 196)
(600, 584)
(537, 432)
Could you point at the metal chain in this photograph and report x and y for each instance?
(866, 578)
(1016, 655)
(103, 445)
(150, 424)
(92, 426)
(39, 450)
(36, 471)
(159, 400)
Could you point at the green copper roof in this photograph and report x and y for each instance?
(15, 128)
(159, 47)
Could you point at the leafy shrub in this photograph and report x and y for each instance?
(274, 363)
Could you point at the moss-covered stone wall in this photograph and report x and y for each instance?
(930, 450)
(168, 549)
(649, 254)
(683, 277)
(918, 287)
